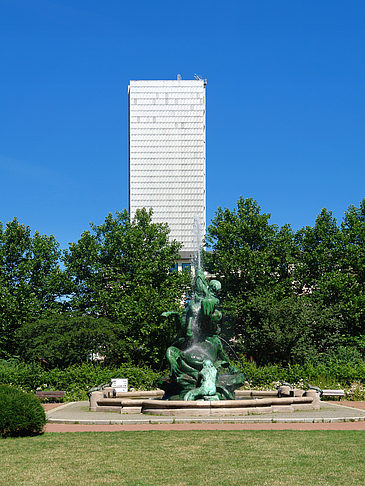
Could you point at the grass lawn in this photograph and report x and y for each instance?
(185, 458)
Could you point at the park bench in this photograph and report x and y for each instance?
(333, 393)
(50, 394)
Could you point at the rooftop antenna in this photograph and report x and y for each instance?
(198, 78)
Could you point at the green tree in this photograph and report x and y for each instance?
(353, 306)
(289, 329)
(32, 283)
(121, 271)
(247, 251)
(67, 340)
(251, 257)
(331, 269)
(320, 252)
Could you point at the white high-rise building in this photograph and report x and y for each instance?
(167, 155)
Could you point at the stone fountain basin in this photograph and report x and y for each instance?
(246, 402)
(229, 407)
(126, 402)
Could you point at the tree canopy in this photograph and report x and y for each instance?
(121, 271)
(32, 283)
(287, 296)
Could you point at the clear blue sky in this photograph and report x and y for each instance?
(285, 103)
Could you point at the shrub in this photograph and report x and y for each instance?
(64, 341)
(20, 413)
(326, 371)
(75, 380)
(334, 370)
(356, 392)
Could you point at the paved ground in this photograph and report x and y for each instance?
(359, 405)
(332, 416)
(50, 406)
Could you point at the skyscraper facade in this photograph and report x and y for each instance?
(167, 155)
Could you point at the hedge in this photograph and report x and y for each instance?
(21, 413)
(327, 372)
(75, 380)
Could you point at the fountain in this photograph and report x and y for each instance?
(202, 381)
(199, 366)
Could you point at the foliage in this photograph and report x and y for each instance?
(331, 370)
(331, 267)
(353, 307)
(356, 392)
(32, 283)
(320, 251)
(357, 342)
(288, 297)
(247, 252)
(76, 380)
(20, 413)
(288, 330)
(253, 261)
(121, 271)
(66, 340)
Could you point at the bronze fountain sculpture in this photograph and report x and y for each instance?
(199, 366)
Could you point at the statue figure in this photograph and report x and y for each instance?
(206, 379)
(199, 367)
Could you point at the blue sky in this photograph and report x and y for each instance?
(285, 103)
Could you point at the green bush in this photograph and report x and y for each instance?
(20, 413)
(356, 392)
(333, 370)
(75, 380)
(280, 331)
(64, 340)
(17, 373)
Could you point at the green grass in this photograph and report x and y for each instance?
(185, 458)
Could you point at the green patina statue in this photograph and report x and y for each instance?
(199, 367)
(207, 380)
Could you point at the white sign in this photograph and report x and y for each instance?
(120, 385)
